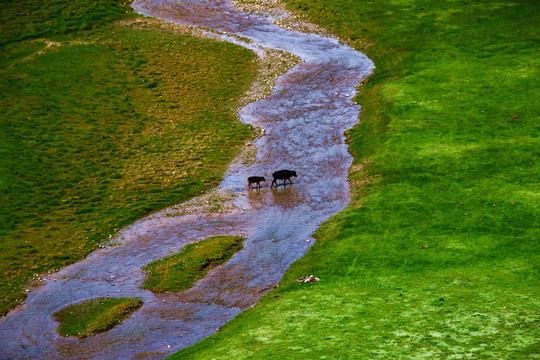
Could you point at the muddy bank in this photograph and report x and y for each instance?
(303, 121)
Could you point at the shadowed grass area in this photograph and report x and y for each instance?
(94, 316)
(28, 19)
(101, 127)
(437, 256)
(179, 272)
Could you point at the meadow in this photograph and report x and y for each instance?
(105, 117)
(437, 256)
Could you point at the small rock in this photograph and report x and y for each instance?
(308, 279)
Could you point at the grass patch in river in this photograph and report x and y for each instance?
(93, 316)
(437, 257)
(179, 271)
(103, 125)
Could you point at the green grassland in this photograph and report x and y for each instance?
(179, 271)
(438, 255)
(103, 122)
(93, 316)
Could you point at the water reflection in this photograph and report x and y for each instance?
(286, 196)
(283, 196)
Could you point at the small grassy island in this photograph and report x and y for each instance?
(95, 315)
(179, 271)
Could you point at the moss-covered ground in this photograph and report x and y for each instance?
(93, 316)
(104, 117)
(179, 271)
(438, 255)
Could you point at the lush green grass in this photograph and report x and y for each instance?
(94, 316)
(101, 127)
(179, 271)
(438, 256)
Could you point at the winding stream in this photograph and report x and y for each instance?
(304, 121)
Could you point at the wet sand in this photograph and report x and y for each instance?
(303, 120)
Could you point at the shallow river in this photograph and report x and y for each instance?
(304, 121)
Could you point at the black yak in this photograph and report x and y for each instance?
(283, 175)
(255, 180)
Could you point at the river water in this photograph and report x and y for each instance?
(304, 121)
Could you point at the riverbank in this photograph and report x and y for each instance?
(106, 117)
(437, 255)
